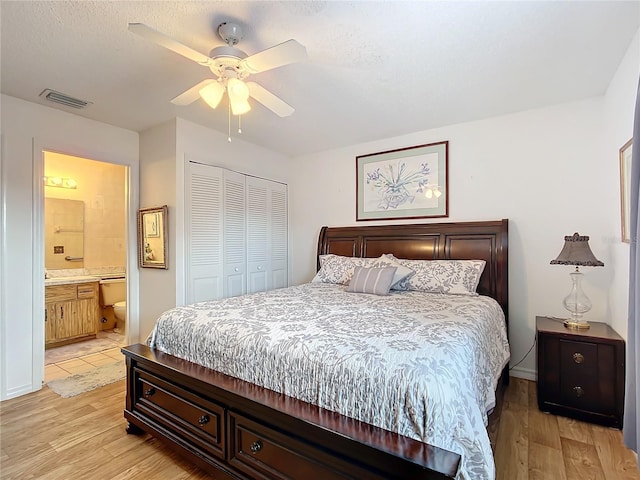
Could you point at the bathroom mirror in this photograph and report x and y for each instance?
(152, 237)
(63, 233)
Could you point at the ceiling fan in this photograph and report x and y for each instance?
(232, 67)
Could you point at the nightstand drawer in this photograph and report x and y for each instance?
(578, 358)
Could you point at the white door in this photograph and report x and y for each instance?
(278, 236)
(258, 264)
(204, 229)
(235, 234)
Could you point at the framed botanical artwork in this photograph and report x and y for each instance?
(151, 224)
(408, 182)
(625, 185)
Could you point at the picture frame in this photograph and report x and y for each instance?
(625, 186)
(411, 182)
(153, 238)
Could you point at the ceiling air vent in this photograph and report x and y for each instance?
(63, 99)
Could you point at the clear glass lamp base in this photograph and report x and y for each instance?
(577, 303)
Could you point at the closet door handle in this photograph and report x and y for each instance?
(61, 312)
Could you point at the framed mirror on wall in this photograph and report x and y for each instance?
(153, 237)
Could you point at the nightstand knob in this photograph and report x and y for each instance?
(578, 357)
(579, 391)
(256, 446)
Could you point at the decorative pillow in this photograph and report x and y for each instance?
(339, 269)
(375, 280)
(459, 277)
(402, 275)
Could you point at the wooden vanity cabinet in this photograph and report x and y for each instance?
(72, 312)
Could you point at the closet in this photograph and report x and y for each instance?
(236, 233)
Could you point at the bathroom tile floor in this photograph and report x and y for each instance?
(84, 356)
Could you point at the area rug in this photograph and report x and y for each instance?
(90, 380)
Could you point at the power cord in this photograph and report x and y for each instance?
(535, 339)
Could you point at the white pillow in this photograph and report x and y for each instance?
(460, 277)
(375, 280)
(338, 269)
(402, 275)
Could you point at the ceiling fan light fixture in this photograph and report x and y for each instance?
(228, 63)
(239, 107)
(238, 92)
(212, 94)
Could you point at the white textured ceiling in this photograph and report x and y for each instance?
(375, 69)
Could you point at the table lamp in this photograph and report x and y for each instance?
(576, 252)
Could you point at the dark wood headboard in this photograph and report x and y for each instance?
(431, 241)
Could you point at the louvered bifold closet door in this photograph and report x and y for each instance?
(258, 262)
(278, 245)
(235, 234)
(204, 231)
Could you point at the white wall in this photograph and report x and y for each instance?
(541, 169)
(157, 188)
(164, 154)
(27, 130)
(619, 103)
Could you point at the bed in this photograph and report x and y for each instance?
(246, 425)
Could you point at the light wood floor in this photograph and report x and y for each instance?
(45, 436)
(532, 445)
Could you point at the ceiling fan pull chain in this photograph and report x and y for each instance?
(239, 123)
(229, 122)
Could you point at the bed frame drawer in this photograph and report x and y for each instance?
(265, 453)
(185, 414)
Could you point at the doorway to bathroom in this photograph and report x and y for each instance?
(85, 254)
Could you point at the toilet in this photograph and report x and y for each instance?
(114, 293)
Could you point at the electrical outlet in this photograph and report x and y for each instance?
(58, 249)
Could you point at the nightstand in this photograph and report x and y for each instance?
(581, 372)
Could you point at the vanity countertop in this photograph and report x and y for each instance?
(74, 279)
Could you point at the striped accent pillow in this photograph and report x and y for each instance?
(371, 280)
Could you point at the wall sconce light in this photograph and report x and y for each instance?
(60, 182)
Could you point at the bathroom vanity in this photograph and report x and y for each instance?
(72, 310)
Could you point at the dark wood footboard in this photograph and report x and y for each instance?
(238, 430)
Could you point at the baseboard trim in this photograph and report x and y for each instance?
(526, 373)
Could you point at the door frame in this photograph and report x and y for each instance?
(131, 206)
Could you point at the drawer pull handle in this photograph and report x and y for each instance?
(149, 391)
(256, 446)
(578, 357)
(203, 420)
(579, 391)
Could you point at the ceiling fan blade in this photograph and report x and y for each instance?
(269, 100)
(169, 43)
(283, 54)
(193, 94)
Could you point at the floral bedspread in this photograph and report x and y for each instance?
(420, 364)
